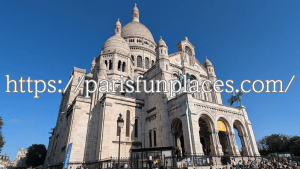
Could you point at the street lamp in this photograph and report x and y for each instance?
(120, 122)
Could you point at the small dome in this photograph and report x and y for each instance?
(207, 62)
(136, 29)
(118, 23)
(116, 43)
(161, 42)
(135, 9)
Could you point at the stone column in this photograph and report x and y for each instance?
(198, 145)
(186, 135)
(231, 144)
(215, 147)
(245, 148)
(251, 142)
(114, 62)
(248, 145)
(235, 148)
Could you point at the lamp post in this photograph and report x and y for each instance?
(120, 122)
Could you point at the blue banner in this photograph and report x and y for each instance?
(67, 156)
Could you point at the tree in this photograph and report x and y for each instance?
(279, 143)
(294, 143)
(36, 155)
(1, 136)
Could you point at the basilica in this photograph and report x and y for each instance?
(191, 123)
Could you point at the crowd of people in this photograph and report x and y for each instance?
(265, 163)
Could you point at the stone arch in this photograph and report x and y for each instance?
(240, 127)
(147, 63)
(188, 50)
(154, 137)
(177, 133)
(110, 65)
(119, 65)
(150, 138)
(106, 64)
(224, 134)
(123, 67)
(226, 122)
(139, 61)
(206, 128)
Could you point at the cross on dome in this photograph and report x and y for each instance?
(135, 14)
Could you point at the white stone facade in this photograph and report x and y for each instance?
(189, 119)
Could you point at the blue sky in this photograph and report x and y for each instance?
(243, 40)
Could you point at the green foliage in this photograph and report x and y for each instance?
(279, 143)
(1, 136)
(36, 155)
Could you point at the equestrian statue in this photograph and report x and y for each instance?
(236, 98)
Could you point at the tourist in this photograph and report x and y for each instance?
(233, 164)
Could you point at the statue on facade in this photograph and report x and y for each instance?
(236, 98)
(181, 79)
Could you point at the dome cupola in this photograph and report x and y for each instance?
(207, 62)
(137, 34)
(116, 43)
(135, 14)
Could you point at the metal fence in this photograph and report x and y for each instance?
(190, 160)
(170, 162)
(159, 162)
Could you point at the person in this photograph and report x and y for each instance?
(238, 166)
(296, 166)
(233, 164)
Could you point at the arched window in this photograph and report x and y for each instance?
(154, 137)
(123, 67)
(136, 128)
(132, 57)
(119, 65)
(166, 67)
(175, 76)
(150, 139)
(110, 64)
(147, 63)
(127, 123)
(105, 63)
(193, 78)
(189, 52)
(152, 63)
(139, 61)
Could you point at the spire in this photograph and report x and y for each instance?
(161, 42)
(207, 62)
(135, 14)
(118, 27)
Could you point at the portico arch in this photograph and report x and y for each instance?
(177, 132)
(243, 137)
(224, 132)
(206, 131)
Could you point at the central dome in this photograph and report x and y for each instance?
(136, 29)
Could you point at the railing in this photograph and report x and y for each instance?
(185, 161)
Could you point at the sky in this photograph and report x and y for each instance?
(243, 40)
